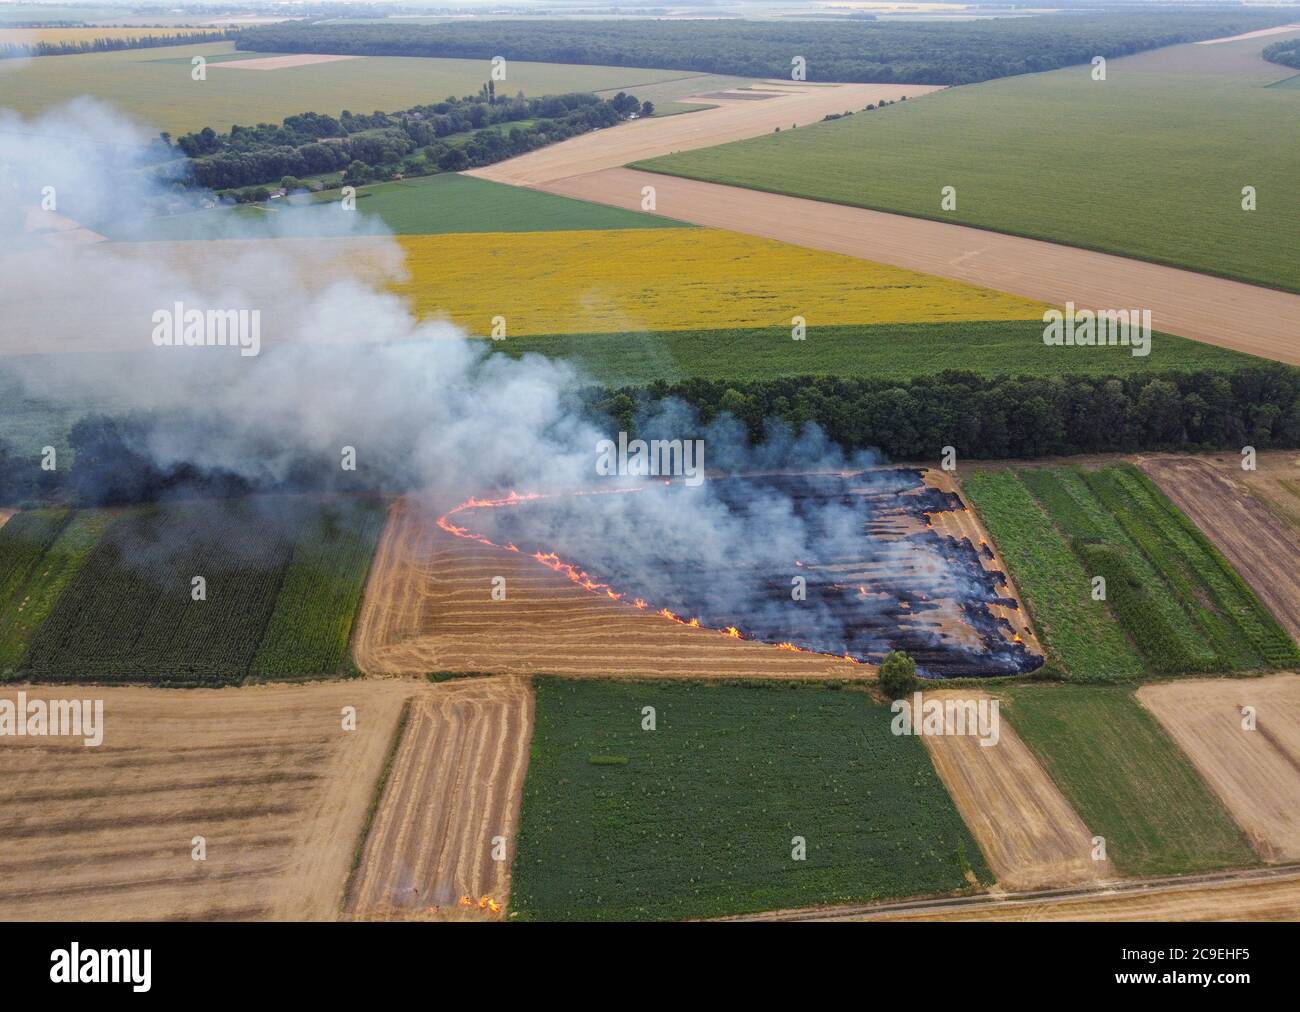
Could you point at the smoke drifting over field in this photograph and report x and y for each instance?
(424, 405)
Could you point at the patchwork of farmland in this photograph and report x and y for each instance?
(1127, 780)
(1244, 738)
(114, 599)
(1168, 596)
(1253, 518)
(1025, 155)
(267, 776)
(703, 815)
(1029, 834)
(154, 85)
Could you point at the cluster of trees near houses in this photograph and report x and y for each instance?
(455, 134)
(983, 417)
(10, 50)
(882, 51)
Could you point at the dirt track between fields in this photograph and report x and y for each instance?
(1029, 834)
(267, 775)
(734, 119)
(1261, 544)
(455, 787)
(1254, 771)
(1271, 894)
(1230, 314)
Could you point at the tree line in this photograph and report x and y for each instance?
(1005, 416)
(900, 52)
(982, 417)
(12, 50)
(410, 142)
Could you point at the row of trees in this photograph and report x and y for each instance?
(981, 417)
(1006, 416)
(415, 141)
(903, 52)
(11, 50)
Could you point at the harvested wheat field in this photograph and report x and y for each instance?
(1029, 834)
(1230, 314)
(266, 775)
(734, 118)
(452, 797)
(428, 607)
(1255, 773)
(1253, 518)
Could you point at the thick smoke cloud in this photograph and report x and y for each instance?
(344, 363)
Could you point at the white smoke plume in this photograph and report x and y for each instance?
(345, 363)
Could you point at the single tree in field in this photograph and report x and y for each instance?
(647, 108)
(897, 674)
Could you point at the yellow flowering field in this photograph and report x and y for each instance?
(673, 279)
(30, 36)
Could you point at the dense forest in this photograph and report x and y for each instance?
(1286, 53)
(1007, 416)
(10, 50)
(903, 52)
(416, 141)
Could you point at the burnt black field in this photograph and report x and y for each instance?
(737, 551)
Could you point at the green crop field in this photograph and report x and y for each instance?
(23, 540)
(426, 205)
(1080, 635)
(893, 350)
(1149, 163)
(283, 578)
(1127, 780)
(696, 818)
(1181, 604)
(312, 621)
(39, 586)
(154, 85)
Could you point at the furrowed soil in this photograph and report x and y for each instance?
(428, 608)
(1253, 518)
(1030, 835)
(1255, 772)
(455, 786)
(266, 775)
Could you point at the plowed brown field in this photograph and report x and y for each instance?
(1029, 834)
(1253, 518)
(266, 775)
(1255, 773)
(455, 786)
(428, 607)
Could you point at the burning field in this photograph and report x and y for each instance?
(849, 566)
